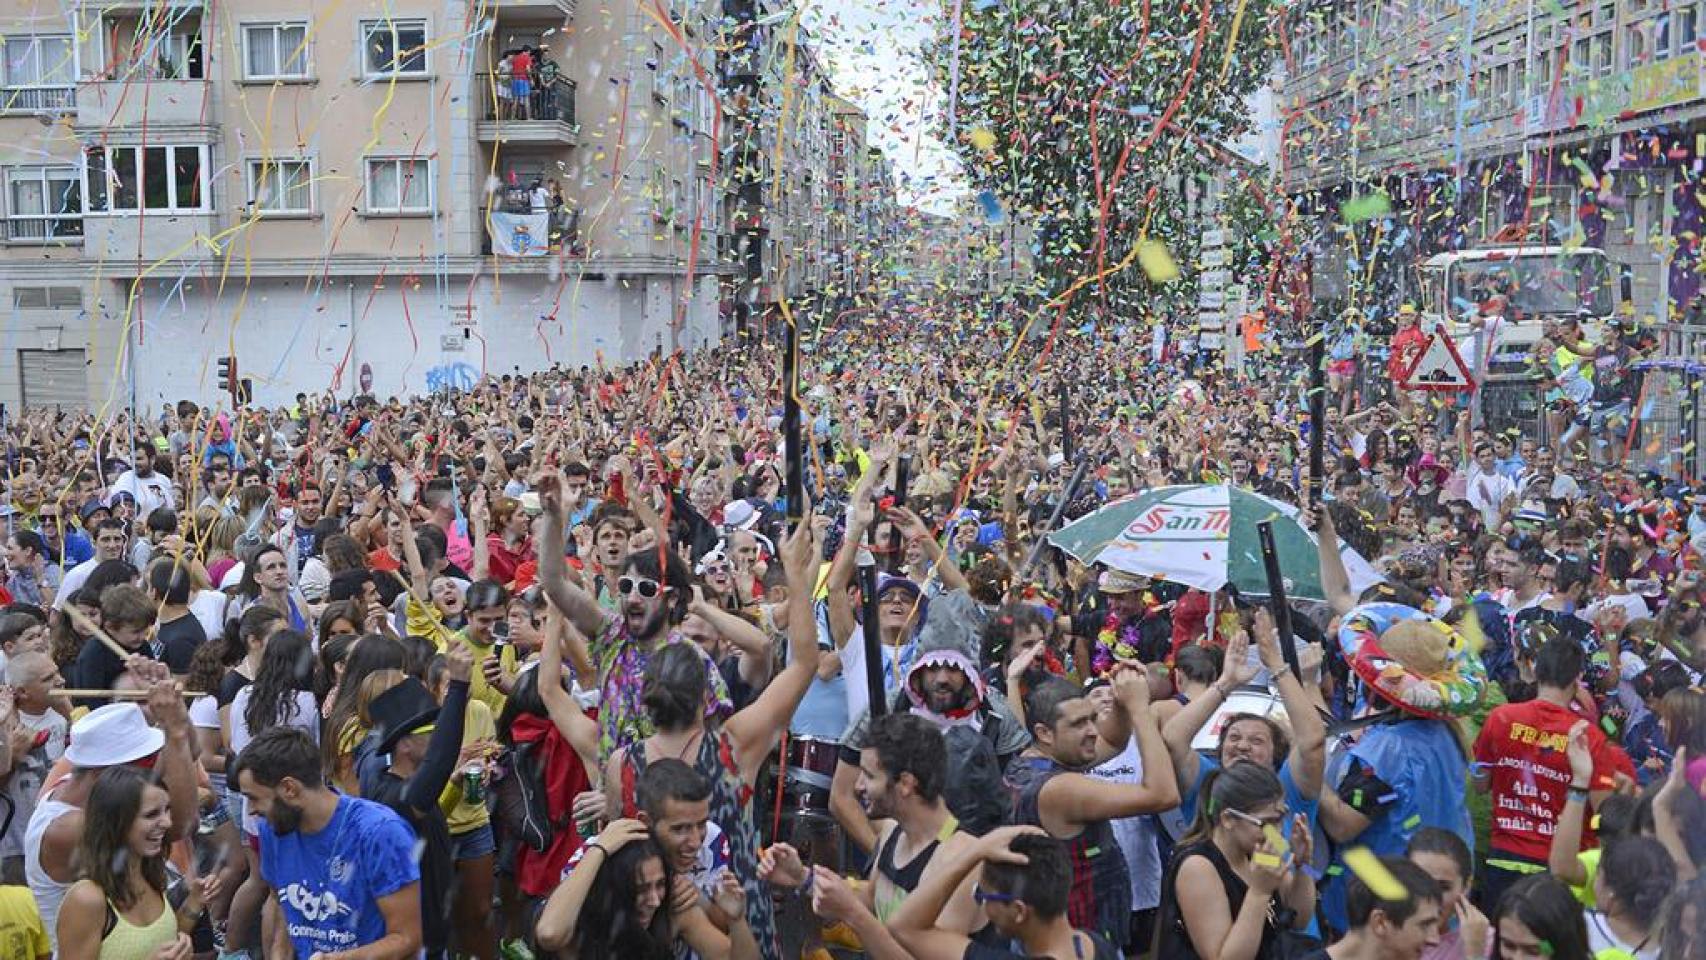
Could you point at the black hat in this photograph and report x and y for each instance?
(403, 709)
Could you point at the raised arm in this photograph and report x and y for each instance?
(575, 726)
(1308, 761)
(1562, 858)
(428, 781)
(480, 519)
(580, 606)
(1074, 799)
(755, 729)
(1235, 671)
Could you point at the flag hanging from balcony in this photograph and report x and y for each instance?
(520, 234)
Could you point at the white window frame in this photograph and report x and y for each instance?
(140, 152)
(21, 97)
(280, 53)
(43, 174)
(369, 28)
(423, 166)
(273, 169)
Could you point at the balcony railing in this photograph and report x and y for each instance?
(46, 230)
(549, 102)
(33, 99)
(564, 231)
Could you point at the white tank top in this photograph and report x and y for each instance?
(49, 893)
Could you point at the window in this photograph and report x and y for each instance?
(40, 73)
(395, 48)
(1635, 44)
(275, 51)
(147, 179)
(399, 185)
(43, 203)
(281, 186)
(47, 298)
(1687, 20)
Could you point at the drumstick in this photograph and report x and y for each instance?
(79, 694)
(83, 623)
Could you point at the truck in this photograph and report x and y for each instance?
(1539, 282)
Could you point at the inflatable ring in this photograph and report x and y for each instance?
(1453, 691)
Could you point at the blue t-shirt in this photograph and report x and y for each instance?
(1428, 772)
(330, 883)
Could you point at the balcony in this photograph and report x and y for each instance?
(47, 231)
(545, 115)
(160, 104)
(37, 99)
(563, 237)
(150, 237)
(535, 9)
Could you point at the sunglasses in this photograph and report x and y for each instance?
(982, 896)
(1272, 820)
(627, 586)
(716, 569)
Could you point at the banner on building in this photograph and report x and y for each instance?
(520, 234)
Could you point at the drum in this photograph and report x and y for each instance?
(811, 767)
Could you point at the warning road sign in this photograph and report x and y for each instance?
(1438, 367)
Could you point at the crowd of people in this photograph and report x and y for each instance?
(552, 666)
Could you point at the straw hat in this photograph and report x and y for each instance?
(1412, 661)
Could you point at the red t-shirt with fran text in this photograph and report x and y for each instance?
(1523, 748)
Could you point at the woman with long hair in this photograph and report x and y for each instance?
(266, 582)
(283, 692)
(1230, 891)
(344, 728)
(623, 902)
(67, 640)
(1539, 919)
(119, 910)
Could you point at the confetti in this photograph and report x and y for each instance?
(1371, 871)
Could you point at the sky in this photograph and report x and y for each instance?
(873, 50)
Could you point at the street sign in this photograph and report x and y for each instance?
(1211, 299)
(1214, 257)
(1213, 238)
(1438, 367)
(1211, 320)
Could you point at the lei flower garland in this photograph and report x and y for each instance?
(1120, 641)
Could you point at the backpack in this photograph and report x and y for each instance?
(976, 792)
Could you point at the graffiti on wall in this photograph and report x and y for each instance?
(452, 378)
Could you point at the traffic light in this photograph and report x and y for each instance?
(228, 375)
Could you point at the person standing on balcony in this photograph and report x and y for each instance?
(538, 198)
(521, 82)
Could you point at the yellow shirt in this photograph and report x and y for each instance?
(478, 688)
(22, 935)
(462, 815)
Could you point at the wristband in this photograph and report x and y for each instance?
(1576, 795)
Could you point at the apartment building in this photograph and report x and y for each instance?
(962, 253)
(791, 150)
(349, 197)
(1585, 116)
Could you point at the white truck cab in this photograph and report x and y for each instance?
(1515, 289)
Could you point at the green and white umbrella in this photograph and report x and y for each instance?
(1203, 536)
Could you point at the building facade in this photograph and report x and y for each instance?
(390, 197)
(1582, 117)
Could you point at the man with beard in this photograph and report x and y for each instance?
(902, 778)
(343, 868)
(654, 590)
(300, 539)
(1056, 792)
(945, 688)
